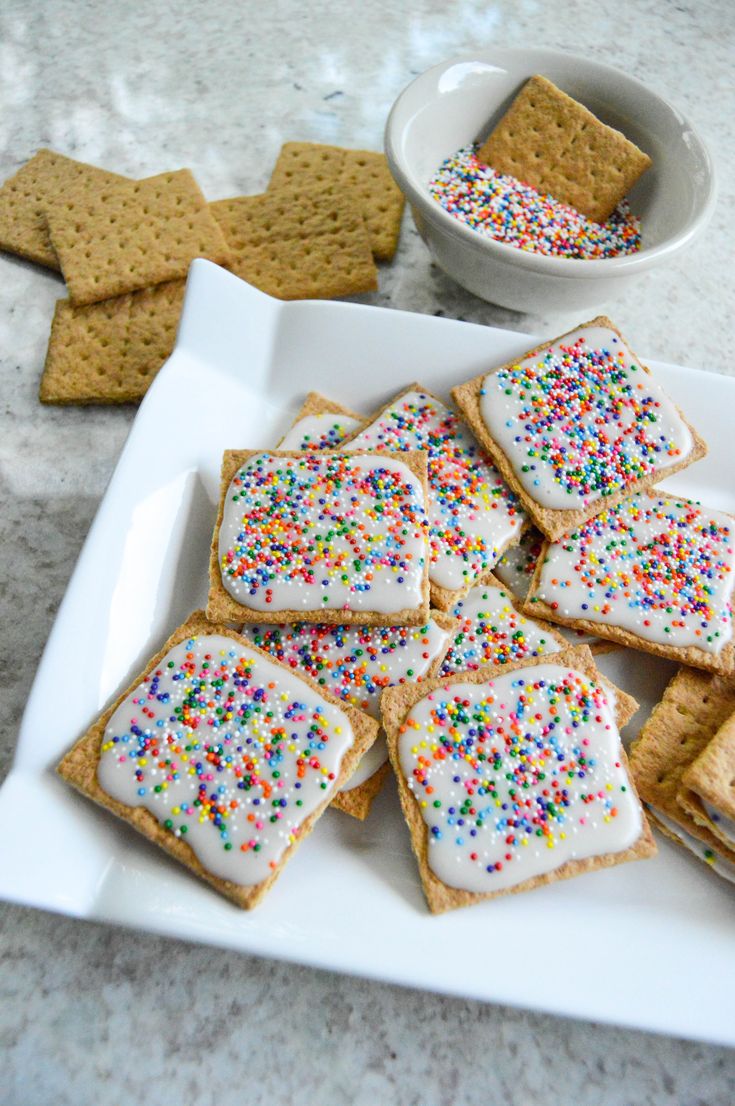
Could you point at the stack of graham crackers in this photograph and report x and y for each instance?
(124, 247)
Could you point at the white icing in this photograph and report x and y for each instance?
(515, 567)
(472, 513)
(319, 431)
(491, 631)
(260, 745)
(714, 860)
(578, 424)
(532, 749)
(355, 663)
(660, 567)
(329, 532)
(724, 825)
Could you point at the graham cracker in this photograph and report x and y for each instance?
(358, 801)
(129, 235)
(41, 183)
(711, 778)
(558, 146)
(693, 708)
(396, 705)
(722, 662)
(555, 522)
(316, 404)
(221, 607)
(442, 598)
(79, 768)
(109, 352)
(362, 175)
(298, 247)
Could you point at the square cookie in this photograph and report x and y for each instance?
(693, 708)
(128, 235)
(559, 147)
(510, 780)
(357, 663)
(109, 352)
(320, 424)
(707, 791)
(473, 515)
(656, 573)
(360, 175)
(321, 537)
(42, 182)
(578, 424)
(308, 246)
(221, 756)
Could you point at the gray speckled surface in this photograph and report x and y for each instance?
(97, 1015)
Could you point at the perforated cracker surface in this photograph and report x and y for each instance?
(42, 182)
(129, 235)
(110, 352)
(361, 176)
(556, 145)
(297, 247)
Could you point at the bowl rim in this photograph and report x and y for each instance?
(568, 267)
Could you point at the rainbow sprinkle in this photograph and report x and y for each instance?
(505, 209)
(491, 631)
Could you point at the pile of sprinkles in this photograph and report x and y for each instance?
(505, 209)
(337, 528)
(356, 663)
(583, 418)
(227, 751)
(472, 511)
(659, 566)
(507, 772)
(491, 631)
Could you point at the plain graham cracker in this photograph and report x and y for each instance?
(396, 705)
(722, 662)
(361, 175)
(79, 768)
(555, 144)
(358, 801)
(711, 778)
(109, 352)
(42, 183)
(442, 598)
(693, 708)
(553, 523)
(222, 607)
(297, 247)
(129, 235)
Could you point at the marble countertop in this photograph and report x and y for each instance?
(92, 1014)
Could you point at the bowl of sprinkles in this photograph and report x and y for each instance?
(542, 181)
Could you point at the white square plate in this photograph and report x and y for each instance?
(650, 945)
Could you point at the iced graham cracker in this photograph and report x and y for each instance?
(574, 562)
(109, 352)
(79, 768)
(361, 175)
(399, 702)
(295, 248)
(693, 708)
(605, 388)
(555, 144)
(128, 235)
(475, 517)
(320, 423)
(710, 780)
(357, 663)
(42, 182)
(221, 606)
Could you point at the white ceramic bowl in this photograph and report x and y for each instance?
(459, 102)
